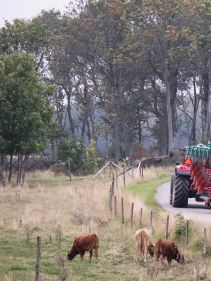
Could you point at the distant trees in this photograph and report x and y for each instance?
(123, 71)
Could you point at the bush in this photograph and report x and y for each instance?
(180, 227)
(90, 161)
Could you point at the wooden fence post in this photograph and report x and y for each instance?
(151, 216)
(122, 207)
(38, 261)
(187, 232)
(131, 215)
(124, 177)
(115, 206)
(110, 169)
(167, 228)
(116, 179)
(140, 217)
(205, 242)
(110, 200)
(142, 169)
(112, 184)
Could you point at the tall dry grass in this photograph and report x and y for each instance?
(81, 207)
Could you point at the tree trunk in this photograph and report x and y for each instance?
(116, 140)
(163, 136)
(106, 144)
(83, 130)
(171, 90)
(169, 118)
(195, 108)
(205, 102)
(88, 130)
(10, 168)
(93, 134)
(18, 179)
(70, 119)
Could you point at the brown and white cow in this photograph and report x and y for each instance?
(82, 244)
(144, 243)
(168, 249)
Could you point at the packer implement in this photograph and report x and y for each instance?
(192, 179)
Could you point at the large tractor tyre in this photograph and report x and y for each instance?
(171, 189)
(180, 192)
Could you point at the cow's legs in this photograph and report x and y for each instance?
(169, 261)
(138, 252)
(145, 254)
(96, 252)
(162, 260)
(82, 255)
(157, 256)
(90, 254)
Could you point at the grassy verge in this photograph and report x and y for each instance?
(41, 209)
(146, 190)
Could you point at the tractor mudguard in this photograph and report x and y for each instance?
(183, 170)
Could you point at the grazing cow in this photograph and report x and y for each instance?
(167, 249)
(83, 244)
(144, 244)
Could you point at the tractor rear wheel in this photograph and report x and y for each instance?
(171, 188)
(180, 192)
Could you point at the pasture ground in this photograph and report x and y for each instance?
(81, 207)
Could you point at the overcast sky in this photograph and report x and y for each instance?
(27, 9)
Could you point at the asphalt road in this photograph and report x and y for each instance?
(195, 211)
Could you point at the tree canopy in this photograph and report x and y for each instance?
(25, 109)
(126, 74)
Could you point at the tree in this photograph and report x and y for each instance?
(166, 38)
(34, 37)
(25, 110)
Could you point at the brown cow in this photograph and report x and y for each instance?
(144, 243)
(83, 244)
(168, 249)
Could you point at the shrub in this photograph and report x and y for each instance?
(71, 151)
(90, 160)
(180, 227)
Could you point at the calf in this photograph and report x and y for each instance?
(167, 249)
(83, 244)
(144, 244)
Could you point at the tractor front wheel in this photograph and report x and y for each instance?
(180, 192)
(171, 189)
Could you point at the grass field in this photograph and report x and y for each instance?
(81, 207)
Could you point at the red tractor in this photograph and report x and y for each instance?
(192, 179)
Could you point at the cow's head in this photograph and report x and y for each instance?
(180, 258)
(151, 250)
(72, 252)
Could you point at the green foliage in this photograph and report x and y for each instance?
(180, 227)
(90, 160)
(25, 110)
(71, 151)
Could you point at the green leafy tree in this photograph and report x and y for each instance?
(25, 110)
